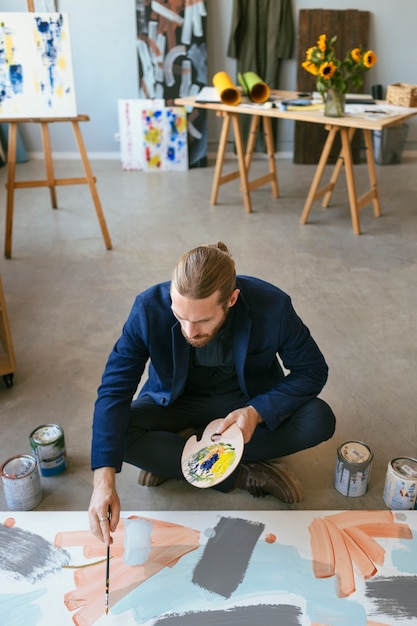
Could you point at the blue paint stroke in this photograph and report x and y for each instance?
(274, 571)
(16, 78)
(50, 32)
(137, 541)
(18, 609)
(405, 558)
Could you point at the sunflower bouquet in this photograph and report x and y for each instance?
(331, 73)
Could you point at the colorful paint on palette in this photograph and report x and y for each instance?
(210, 463)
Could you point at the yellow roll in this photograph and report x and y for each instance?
(229, 93)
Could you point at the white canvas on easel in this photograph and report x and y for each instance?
(36, 72)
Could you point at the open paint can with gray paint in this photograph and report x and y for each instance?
(48, 446)
(21, 482)
(353, 468)
(400, 489)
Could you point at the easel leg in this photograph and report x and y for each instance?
(350, 179)
(311, 197)
(220, 158)
(242, 164)
(371, 171)
(49, 168)
(92, 185)
(11, 168)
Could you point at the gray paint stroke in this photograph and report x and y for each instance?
(226, 556)
(267, 615)
(26, 555)
(396, 596)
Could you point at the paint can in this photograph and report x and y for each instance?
(21, 482)
(353, 468)
(400, 489)
(48, 446)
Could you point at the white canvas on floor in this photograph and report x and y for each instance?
(182, 568)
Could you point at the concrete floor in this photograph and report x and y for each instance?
(67, 298)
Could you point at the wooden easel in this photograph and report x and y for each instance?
(51, 182)
(7, 360)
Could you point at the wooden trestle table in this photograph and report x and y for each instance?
(346, 126)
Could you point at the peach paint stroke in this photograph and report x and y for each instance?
(169, 542)
(342, 541)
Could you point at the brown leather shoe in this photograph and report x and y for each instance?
(148, 479)
(273, 478)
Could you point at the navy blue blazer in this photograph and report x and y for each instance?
(265, 325)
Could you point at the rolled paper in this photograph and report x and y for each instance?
(257, 89)
(229, 93)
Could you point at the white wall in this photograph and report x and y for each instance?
(103, 43)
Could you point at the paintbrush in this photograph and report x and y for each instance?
(108, 568)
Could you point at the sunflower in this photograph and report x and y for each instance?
(327, 70)
(369, 59)
(333, 73)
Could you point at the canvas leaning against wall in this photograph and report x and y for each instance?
(153, 137)
(36, 73)
(172, 61)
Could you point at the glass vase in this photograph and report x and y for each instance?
(334, 104)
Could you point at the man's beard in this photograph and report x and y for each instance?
(202, 340)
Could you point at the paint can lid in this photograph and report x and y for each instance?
(405, 467)
(18, 466)
(355, 452)
(47, 433)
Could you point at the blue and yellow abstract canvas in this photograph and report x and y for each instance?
(36, 74)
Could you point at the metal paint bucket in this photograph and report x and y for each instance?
(21, 482)
(353, 468)
(48, 446)
(400, 490)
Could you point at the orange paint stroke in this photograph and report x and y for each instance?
(169, 542)
(364, 566)
(375, 552)
(372, 623)
(390, 531)
(342, 562)
(351, 539)
(356, 518)
(322, 549)
(9, 522)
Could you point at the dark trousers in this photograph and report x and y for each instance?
(153, 442)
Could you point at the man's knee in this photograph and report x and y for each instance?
(325, 418)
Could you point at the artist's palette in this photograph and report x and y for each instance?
(211, 460)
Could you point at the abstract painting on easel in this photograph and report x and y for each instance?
(211, 568)
(36, 72)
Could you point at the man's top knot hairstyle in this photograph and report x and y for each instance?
(204, 270)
